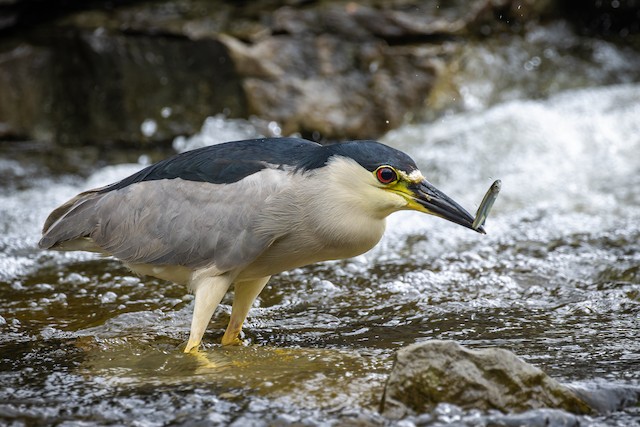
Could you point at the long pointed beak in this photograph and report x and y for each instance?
(435, 202)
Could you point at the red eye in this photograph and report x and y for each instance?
(386, 175)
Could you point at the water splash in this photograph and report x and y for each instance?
(556, 280)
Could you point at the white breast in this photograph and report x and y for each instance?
(334, 213)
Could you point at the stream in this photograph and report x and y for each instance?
(556, 280)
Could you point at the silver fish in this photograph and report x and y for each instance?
(486, 204)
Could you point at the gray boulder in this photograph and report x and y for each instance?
(428, 373)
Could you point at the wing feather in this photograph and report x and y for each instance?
(179, 222)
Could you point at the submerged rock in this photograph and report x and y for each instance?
(428, 373)
(606, 398)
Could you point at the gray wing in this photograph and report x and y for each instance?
(174, 221)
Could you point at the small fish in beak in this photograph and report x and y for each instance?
(486, 204)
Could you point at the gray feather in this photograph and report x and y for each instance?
(171, 221)
(58, 229)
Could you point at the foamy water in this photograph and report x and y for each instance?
(555, 280)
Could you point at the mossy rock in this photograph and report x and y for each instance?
(428, 373)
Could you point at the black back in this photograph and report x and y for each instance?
(232, 161)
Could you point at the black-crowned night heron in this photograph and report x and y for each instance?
(240, 212)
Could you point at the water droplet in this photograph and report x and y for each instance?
(166, 112)
(148, 127)
(274, 129)
(108, 297)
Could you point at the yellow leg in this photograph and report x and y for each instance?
(244, 296)
(209, 291)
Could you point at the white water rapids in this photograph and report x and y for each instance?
(556, 279)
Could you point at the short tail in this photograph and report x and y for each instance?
(70, 225)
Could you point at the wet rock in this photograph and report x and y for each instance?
(99, 86)
(335, 87)
(148, 71)
(535, 418)
(606, 398)
(26, 88)
(426, 374)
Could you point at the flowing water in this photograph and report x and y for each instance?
(556, 280)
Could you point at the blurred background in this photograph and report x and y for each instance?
(542, 94)
(143, 72)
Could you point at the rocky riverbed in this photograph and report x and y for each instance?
(554, 281)
(514, 90)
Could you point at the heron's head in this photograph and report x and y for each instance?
(387, 180)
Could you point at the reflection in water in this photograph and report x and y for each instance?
(555, 280)
(306, 377)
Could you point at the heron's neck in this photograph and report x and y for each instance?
(345, 209)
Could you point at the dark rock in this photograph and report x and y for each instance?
(94, 86)
(148, 71)
(606, 398)
(609, 18)
(335, 87)
(26, 87)
(426, 374)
